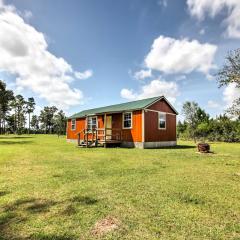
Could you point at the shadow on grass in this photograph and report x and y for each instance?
(39, 207)
(14, 142)
(14, 137)
(84, 200)
(178, 147)
(12, 215)
(31, 205)
(3, 193)
(191, 199)
(16, 213)
(43, 236)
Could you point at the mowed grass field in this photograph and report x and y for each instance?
(50, 189)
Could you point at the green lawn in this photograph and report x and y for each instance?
(49, 189)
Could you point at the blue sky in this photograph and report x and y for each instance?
(83, 54)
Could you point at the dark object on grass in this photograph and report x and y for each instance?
(203, 147)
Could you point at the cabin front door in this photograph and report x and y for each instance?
(109, 127)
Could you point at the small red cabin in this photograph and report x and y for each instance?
(146, 123)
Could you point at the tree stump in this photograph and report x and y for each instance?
(203, 147)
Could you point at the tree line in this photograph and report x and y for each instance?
(16, 115)
(199, 126)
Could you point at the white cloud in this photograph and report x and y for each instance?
(162, 3)
(213, 104)
(24, 53)
(231, 93)
(142, 74)
(37, 110)
(155, 88)
(27, 14)
(128, 94)
(84, 75)
(171, 55)
(180, 78)
(201, 8)
(210, 77)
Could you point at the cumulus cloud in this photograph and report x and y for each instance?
(180, 78)
(171, 55)
(142, 74)
(128, 94)
(27, 14)
(231, 93)
(162, 3)
(24, 53)
(84, 75)
(155, 88)
(202, 8)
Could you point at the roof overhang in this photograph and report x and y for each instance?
(128, 110)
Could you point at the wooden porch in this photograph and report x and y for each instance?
(99, 137)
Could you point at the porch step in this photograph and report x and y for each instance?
(90, 144)
(101, 143)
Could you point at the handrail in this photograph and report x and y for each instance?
(80, 132)
(100, 133)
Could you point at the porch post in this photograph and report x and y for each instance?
(105, 126)
(87, 131)
(78, 139)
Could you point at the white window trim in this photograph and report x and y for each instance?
(91, 118)
(73, 129)
(123, 120)
(159, 120)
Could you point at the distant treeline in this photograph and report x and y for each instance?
(200, 127)
(16, 115)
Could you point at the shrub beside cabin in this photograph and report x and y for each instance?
(147, 123)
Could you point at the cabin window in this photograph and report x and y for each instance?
(127, 120)
(73, 124)
(162, 120)
(92, 123)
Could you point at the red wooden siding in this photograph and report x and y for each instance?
(152, 133)
(161, 105)
(80, 124)
(134, 134)
(130, 135)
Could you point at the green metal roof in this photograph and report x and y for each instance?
(134, 105)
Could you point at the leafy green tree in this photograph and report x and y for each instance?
(10, 123)
(35, 123)
(5, 97)
(202, 116)
(202, 130)
(47, 118)
(181, 128)
(190, 112)
(44, 118)
(30, 106)
(197, 119)
(19, 106)
(230, 74)
(60, 121)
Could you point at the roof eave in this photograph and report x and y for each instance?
(100, 113)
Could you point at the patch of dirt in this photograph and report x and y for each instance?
(206, 153)
(237, 174)
(105, 225)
